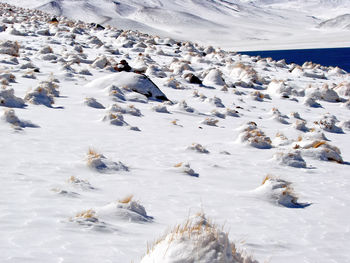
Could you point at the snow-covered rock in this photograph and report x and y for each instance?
(135, 82)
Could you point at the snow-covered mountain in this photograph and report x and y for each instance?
(120, 146)
(339, 22)
(240, 25)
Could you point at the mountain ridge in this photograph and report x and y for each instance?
(239, 25)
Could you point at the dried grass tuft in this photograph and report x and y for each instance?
(126, 199)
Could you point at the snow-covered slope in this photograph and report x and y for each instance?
(108, 139)
(239, 25)
(339, 22)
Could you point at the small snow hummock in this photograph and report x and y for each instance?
(93, 103)
(292, 159)
(231, 112)
(9, 48)
(279, 87)
(345, 125)
(328, 123)
(311, 102)
(278, 116)
(40, 95)
(196, 240)
(160, 108)
(116, 119)
(216, 101)
(210, 121)
(186, 168)
(126, 209)
(183, 106)
(197, 148)
(300, 125)
(100, 163)
(280, 140)
(279, 191)
(8, 99)
(86, 217)
(11, 117)
(320, 150)
(214, 78)
(129, 109)
(219, 114)
(255, 137)
(83, 184)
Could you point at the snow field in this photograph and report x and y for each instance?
(64, 183)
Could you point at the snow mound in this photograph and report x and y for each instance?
(83, 184)
(345, 125)
(328, 94)
(280, 88)
(126, 209)
(129, 109)
(160, 108)
(214, 78)
(197, 148)
(40, 96)
(89, 219)
(328, 123)
(320, 150)
(231, 112)
(216, 101)
(311, 102)
(245, 74)
(280, 140)
(135, 82)
(210, 121)
(279, 192)
(11, 117)
(8, 99)
(300, 125)
(292, 159)
(343, 89)
(100, 163)
(9, 48)
(93, 103)
(219, 114)
(278, 116)
(116, 119)
(252, 135)
(196, 240)
(6, 77)
(183, 106)
(186, 168)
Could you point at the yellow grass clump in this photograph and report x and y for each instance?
(317, 144)
(126, 199)
(90, 213)
(93, 154)
(178, 165)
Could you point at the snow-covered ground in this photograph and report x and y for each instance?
(97, 164)
(230, 24)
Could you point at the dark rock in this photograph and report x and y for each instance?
(54, 20)
(123, 66)
(97, 26)
(191, 78)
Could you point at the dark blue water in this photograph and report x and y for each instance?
(325, 56)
